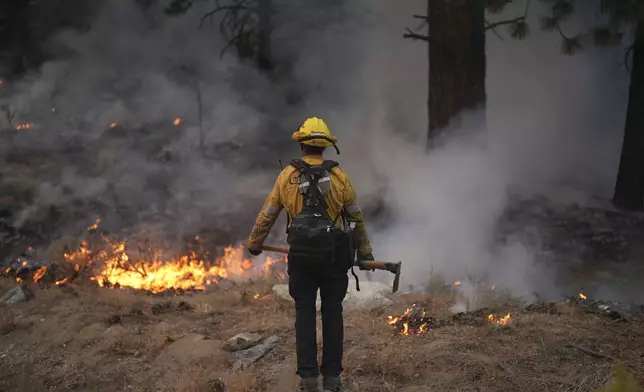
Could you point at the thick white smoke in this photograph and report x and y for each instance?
(554, 127)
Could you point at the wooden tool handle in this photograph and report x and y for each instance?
(379, 265)
(278, 249)
(367, 264)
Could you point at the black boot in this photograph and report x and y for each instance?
(309, 384)
(332, 384)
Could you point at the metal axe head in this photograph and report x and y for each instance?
(395, 269)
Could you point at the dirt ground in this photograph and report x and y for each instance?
(85, 338)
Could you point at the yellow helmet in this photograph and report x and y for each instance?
(315, 132)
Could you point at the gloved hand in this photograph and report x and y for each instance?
(254, 251)
(367, 257)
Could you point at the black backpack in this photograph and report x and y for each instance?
(313, 237)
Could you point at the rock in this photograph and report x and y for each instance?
(242, 341)
(192, 348)
(216, 385)
(371, 295)
(185, 306)
(89, 334)
(611, 310)
(13, 296)
(162, 307)
(240, 360)
(114, 319)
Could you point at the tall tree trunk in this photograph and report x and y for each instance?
(629, 188)
(14, 36)
(457, 63)
(264, 11)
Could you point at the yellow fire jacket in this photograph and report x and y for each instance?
(286, 195)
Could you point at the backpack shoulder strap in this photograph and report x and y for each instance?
(328, 165)
(300, 165)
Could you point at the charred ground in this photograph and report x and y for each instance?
(95, 339)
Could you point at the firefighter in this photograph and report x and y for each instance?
(314, 260)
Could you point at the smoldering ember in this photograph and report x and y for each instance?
(490, 194)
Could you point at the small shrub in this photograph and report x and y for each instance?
(623, 381)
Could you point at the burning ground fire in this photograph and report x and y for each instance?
(187, 272)
(109, 263)
(413, 322)
(499, 320)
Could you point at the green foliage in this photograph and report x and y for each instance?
(496, 6)
(549, 23)
(623, 381)
(517, 27)
(562, 9)
(571, 45)
(178, 7)
(237, 23)
(604, 36)
(622, 11)
(519, 30)
(621, 14)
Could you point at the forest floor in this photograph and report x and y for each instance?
(86, 338)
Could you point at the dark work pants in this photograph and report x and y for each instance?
(304, 281)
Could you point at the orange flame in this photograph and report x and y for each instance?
(187, 272)
(23, 126)
(582, 296)
(113, 125)
(177, 121)
(499, 321)
(95, 225)
(413, 322)
(109, 263)
(457, 283)
(39, 273)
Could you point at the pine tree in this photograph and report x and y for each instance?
(456, 56)
(456, 50)
(245, 24)
(622, 16)
(629, 187)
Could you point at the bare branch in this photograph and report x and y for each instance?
(230, 42)
(499, 36)
(591, 352)
(492, 26)
(412, 35)
(527, 6)
(211, 14)
(425, 20)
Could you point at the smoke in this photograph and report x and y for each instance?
(553, 128)
(115, 93)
